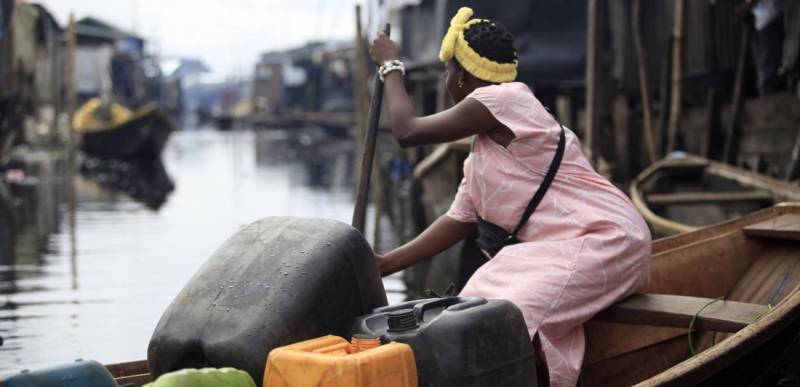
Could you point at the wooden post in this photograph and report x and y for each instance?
(11, 81)
(676, 107)
(710, 144)
(644, 85)
(666, 96)
(592, 60)
(628, 151)
(368, 153)
(71, 106)
(793, 171)
(734, 129)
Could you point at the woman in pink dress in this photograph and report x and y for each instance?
(584, 247)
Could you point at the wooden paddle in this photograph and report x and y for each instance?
(368, 151)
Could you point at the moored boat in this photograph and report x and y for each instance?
(680, 194)
(123, 149)
(735, 286)
(124, 134)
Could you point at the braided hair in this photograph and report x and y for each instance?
(492, 41)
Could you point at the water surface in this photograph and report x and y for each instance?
(131, 260)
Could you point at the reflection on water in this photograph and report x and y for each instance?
(131, 261)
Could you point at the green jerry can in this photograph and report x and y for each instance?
(205, 377)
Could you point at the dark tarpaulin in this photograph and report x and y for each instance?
(550, 36)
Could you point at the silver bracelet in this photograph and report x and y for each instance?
(389, 66)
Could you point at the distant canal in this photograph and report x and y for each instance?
(104, 302)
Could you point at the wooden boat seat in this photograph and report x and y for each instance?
(677, 311)
(709, 197)
(783, 227)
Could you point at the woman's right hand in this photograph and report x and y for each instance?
(443, 233)
(383, 49)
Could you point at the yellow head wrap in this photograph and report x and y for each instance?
(454, 45)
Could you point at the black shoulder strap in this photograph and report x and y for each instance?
(551, 174)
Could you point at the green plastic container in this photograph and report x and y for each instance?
(204, 377)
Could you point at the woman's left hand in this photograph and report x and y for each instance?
(383, 49)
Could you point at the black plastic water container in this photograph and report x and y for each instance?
(459, 341)
(277, 281)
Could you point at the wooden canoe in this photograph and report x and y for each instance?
(143, 133)
(750, 338)
(676, 195)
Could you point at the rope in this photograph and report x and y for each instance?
(769, 309)
(694, 318)
(720, 298)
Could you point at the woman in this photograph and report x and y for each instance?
(585, 246)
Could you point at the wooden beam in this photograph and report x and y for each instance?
(709, 197)
(677, 311)
(783, 227)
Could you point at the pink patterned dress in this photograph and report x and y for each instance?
(584, 248)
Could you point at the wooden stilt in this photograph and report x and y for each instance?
(734, 128)
(71, 143)
(793, 170)
(676, 107)
(591, 80)
(710, 146)
(666, 97)
(644, 85)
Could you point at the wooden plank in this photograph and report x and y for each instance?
(606, 340)
(128, 368)
(783, 227)
(636, 366)
(678, 311)
(772, 111)
(134, 380)
(688, 163)
(709, 197)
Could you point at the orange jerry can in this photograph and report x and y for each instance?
(332, 361)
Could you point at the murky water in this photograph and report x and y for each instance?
(131, 261)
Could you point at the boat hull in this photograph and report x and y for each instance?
(720, 261)
(143, 136)
(677, 195)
